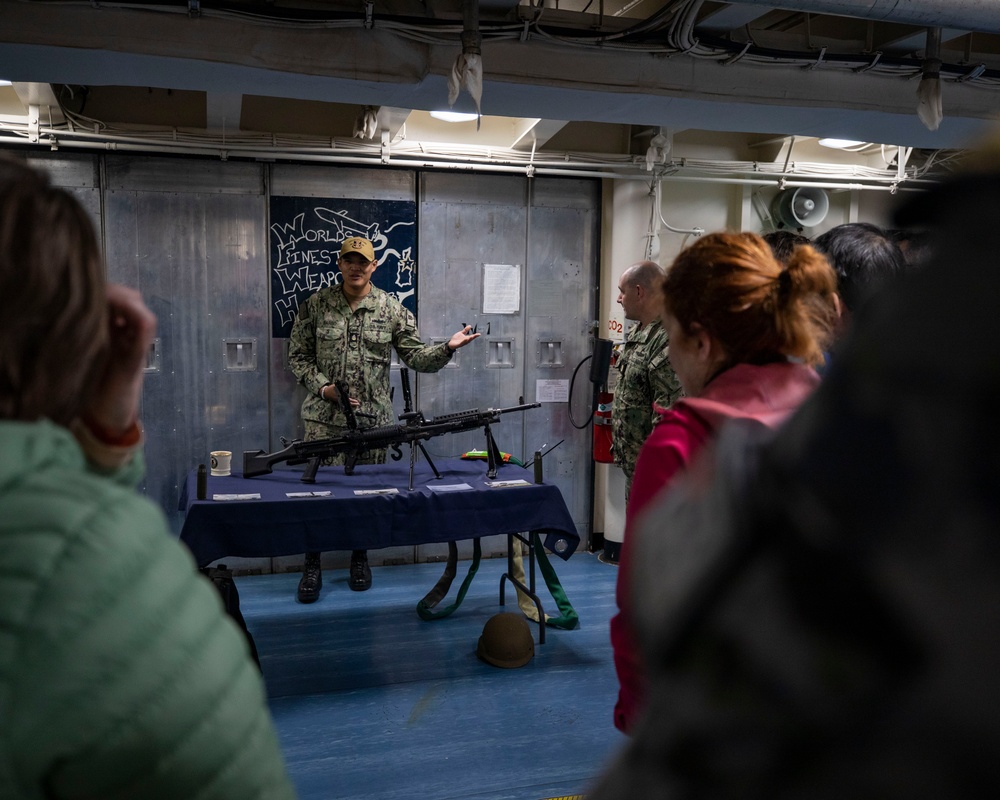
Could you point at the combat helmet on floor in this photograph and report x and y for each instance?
(506, 641)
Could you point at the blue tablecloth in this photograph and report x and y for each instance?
(277, 525)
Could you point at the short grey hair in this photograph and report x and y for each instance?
(647, 274)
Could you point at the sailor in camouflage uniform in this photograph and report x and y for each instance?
(346, 333)
(645, 374)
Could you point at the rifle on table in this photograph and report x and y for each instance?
(414, 428)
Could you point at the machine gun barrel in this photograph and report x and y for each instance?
(522, 407)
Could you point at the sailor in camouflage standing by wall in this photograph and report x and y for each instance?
(645, 374)
(346, 333)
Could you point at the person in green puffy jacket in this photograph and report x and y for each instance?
(120, 674)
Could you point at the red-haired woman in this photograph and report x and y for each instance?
(744, 333)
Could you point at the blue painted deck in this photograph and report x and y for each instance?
(372, 702)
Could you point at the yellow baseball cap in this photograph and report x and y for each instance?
(359, 245)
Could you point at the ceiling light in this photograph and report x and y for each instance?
(453, 116)
(840, 144)
(5, 82)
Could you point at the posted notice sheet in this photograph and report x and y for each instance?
(552, 391)
(501, 288)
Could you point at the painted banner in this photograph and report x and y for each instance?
(306, 233)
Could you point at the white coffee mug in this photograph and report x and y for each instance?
(221, 459)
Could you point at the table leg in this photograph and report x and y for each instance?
(528, 590)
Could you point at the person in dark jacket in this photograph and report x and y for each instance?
(120, 674)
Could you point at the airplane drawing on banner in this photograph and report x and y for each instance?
(306, 234)
(348, 227)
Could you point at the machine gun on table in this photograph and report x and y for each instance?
(413, 428)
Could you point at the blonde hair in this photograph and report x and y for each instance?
(53, 302)
(757, 308)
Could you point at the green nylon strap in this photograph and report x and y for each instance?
(568, 618)
(435, 595)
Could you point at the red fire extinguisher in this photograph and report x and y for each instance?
(602, 428)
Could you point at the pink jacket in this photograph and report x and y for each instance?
(767, 393)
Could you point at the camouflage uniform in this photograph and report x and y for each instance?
(329, 342)
(645, 377)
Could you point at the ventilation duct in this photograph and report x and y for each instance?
(973, 15)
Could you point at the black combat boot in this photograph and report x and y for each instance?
(361, 574)
(312, 579)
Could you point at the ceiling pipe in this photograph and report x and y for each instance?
(972, 15)
(490, 157)
(373, 159)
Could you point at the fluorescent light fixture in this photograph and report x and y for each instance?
(453, 116)
(840, 144)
